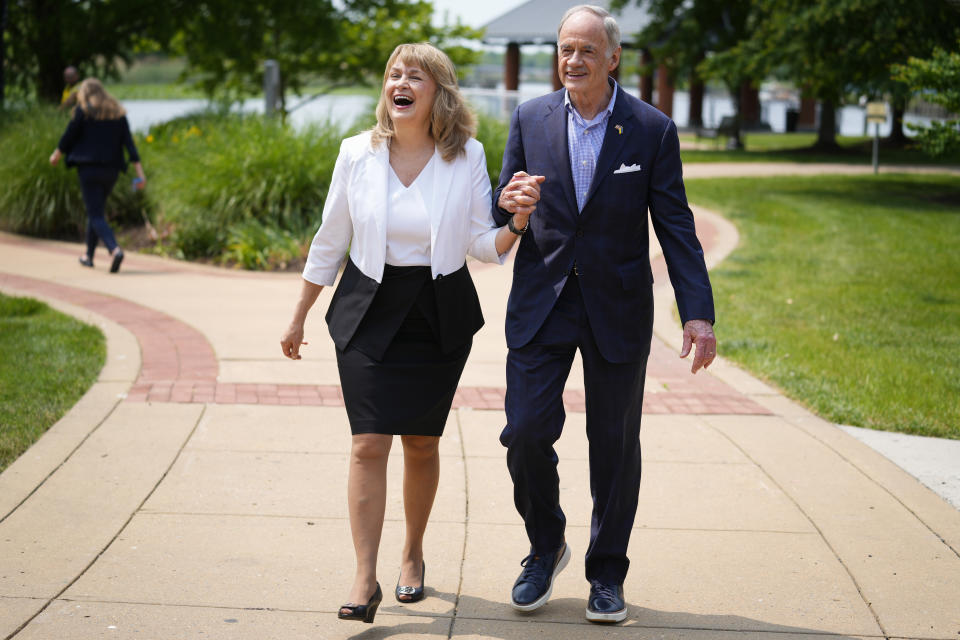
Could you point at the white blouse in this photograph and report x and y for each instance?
(408, 219)
(458, 204)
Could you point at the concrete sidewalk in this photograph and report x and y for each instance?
(198, 489)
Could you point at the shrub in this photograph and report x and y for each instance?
(254, 245)
(492, 132)
(38, 199)
(220, 178)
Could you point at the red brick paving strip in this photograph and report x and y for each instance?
(179, 365)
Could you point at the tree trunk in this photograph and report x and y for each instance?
(49, 50)
(827, 134)
(897, 138)
(735, 141)
(696, 97)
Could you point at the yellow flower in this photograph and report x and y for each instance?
(176, 139)
(149, 139)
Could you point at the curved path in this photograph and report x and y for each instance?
(197, 489)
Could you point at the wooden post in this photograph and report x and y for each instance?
(646, 78)
(664, 91)
(511, 67)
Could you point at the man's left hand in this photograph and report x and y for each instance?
(700, 333)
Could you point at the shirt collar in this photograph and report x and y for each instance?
(606, 112)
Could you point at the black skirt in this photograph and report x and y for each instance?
(409, 390)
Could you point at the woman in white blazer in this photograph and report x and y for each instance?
(409, 199)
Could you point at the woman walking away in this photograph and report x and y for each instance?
(409, 199)
(93, 143)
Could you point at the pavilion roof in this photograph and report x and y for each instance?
(535, 22)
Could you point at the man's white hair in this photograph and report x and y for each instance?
(609, 23)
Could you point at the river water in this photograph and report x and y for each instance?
(343, 110)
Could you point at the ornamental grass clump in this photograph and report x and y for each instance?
(227, 184)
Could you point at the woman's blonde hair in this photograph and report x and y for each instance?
(451, 121)
(96, 103)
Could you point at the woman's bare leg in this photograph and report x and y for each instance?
(367, 498)
(421, 475)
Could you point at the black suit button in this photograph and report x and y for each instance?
(579, 233)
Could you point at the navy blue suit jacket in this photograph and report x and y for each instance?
(608, 240)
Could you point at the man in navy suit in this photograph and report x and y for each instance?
(591, 161)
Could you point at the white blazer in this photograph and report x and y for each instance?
(354, 213)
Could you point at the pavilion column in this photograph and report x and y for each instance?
(646, 77)
(807, 119)
(749, 105)
(557, 84)
(664, 91)
(511, 67)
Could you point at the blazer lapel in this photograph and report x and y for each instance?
(613, 142)
(555, 127)
(443, 176)
(377, 186)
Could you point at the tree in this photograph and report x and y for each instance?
(44, 36)
(226, 42)
(684, 33)
(831, 47)
(938, 77)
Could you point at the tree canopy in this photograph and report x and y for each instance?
(42, 37)
(937, 78)
(828, 48)
(225, 42)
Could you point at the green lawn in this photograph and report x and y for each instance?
(49, 361)
(797, 147)
(845, 293)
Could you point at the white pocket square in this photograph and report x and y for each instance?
(625, 169)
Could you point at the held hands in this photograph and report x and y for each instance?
(700, 333)
(520, 196)
(291, 340)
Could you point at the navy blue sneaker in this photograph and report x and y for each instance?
(606, 603)
(535, 584)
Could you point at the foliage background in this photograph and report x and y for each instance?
(235, 189)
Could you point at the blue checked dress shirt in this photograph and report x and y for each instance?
(584, 139)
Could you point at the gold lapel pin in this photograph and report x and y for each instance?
(619, 128)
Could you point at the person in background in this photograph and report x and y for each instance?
(70, 79)
(94, 143)
(409, 200)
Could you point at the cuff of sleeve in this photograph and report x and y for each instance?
(485, 248)
(325, 277)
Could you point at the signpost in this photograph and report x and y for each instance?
(877, 114)
(271, 86)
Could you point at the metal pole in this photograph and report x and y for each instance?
(876, 148)
(271, 85)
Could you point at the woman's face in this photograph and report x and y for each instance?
(409, 92)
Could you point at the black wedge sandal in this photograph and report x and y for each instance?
(365, 612)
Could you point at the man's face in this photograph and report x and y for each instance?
(582, 52)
